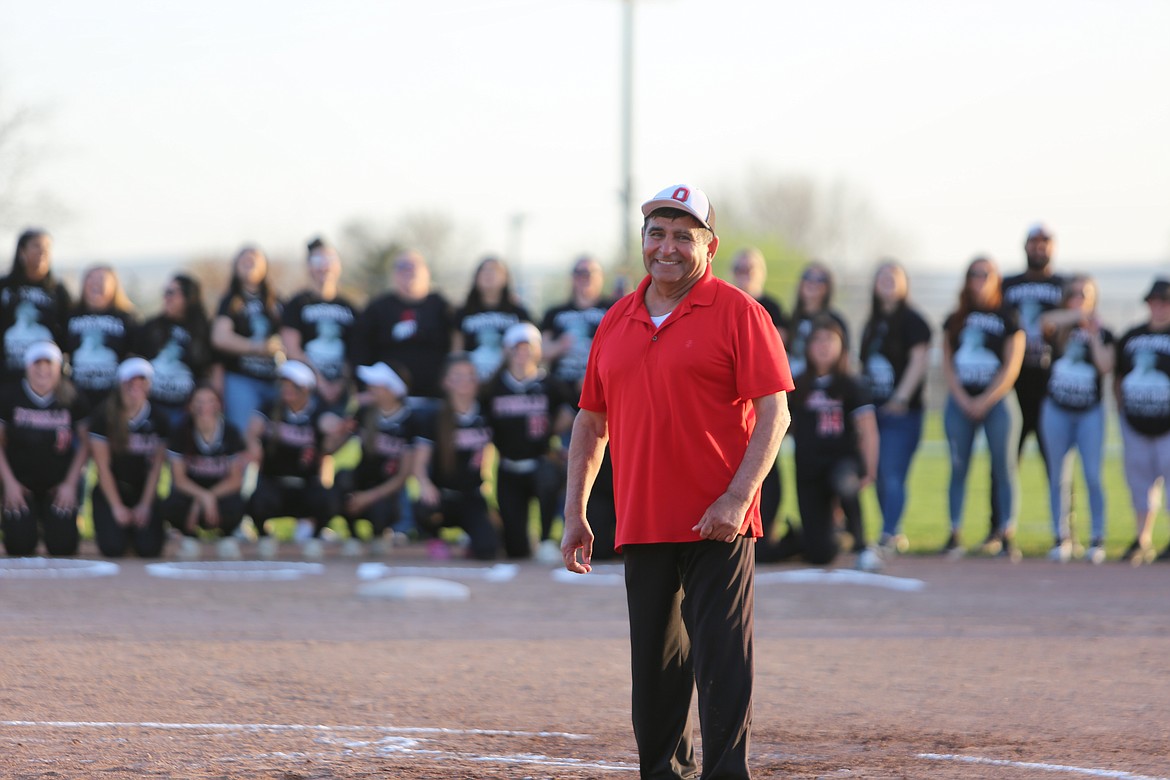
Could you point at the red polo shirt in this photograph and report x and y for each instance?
(677, 402)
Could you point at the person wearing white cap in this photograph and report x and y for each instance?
(686, 382)
(449, 464)
(316, 323)
(43, 452)
(128, 440)
(386, 428)
(291, 441)
(1029, 294)
(207, 457)
(525, 408)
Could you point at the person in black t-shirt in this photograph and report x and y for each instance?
(569, 328)
(1141, 384)
(128, 440)
(316, 325)
(245, 334)
(207, 467)
(408, 326)
(835, 433)
(291, 440)
(43, 452)
(177, 344)
(982, 352)
(100, 333)
(525, 409)
(34, 304)
(387, 429)
(814, 297)
(748, 273)
(449, 465)
(490, 309)
(895, 348)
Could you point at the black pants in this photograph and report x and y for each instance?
(602, 513)
(464, 509)
(382, 514)
(114, 540)
(514, 493)
(817, 494)
(277, 497)
(691, 621)
(23, 529)
(178, 504)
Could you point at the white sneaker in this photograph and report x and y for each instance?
(1095, 555)
(1061, 553)
(313, 549)
(189, 549)
(549, 552)
(869, 561)
(304, 532)
(351, 548)
(228, 549)
(267, 548)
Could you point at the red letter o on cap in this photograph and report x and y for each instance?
(682, 194)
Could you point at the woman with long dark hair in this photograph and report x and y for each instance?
(207, 468)
(177, 342)
(814, 297)
(895, 346)
(34, 304)
(43, 453)
(449, 465)
(490, 309)
(100, 333)
(983, 349)
(246, 334)
(128, 440)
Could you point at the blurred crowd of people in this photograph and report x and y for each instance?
(203, 428)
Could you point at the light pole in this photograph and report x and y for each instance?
(627, 120)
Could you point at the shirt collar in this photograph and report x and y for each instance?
(701, 294)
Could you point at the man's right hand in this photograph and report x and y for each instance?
(577, 536)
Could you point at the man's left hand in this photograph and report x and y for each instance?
(722, 520)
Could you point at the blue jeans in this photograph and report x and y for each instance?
(898, 437)
(1060, 431)
(1002, 425)
(243, 395)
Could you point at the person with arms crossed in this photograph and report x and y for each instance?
(685, 346)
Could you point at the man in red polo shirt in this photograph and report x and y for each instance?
(686, 381)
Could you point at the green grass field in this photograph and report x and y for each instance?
(926, 522)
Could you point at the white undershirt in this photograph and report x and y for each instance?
(659, 320)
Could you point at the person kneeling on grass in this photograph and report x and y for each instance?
(290, 443)
(387, 428)
(43, 452)
(207, 468)
(835, 431)
(128, 440)
(449, 467)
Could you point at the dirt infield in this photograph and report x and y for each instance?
(988, 669)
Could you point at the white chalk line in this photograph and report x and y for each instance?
(396, 743)
(1076, 770)
(500, 572)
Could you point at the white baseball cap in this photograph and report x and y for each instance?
(298, 373)
(521, 333)
(381, 375)
(686, 198)
(132, 368)
(41, 350)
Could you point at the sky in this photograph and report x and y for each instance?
(168, 129)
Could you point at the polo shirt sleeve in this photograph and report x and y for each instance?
(761, 362)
